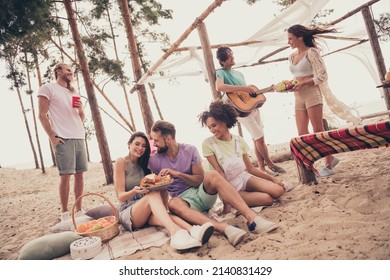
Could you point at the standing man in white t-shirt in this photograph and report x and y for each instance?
(62, 118)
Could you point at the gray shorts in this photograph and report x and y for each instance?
(71, 156)
(198, 199)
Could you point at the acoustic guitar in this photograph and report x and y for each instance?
(245, 102)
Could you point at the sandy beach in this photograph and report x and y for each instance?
(344, 217)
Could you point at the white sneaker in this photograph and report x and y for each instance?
(234, 234)
(260, 225)
(287, 186)
(65, 216)
(335, 161)
(203, 232)
(80, 213)
(182, 240)
(325, 171)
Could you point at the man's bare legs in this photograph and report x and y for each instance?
(78, 189)
(64, 189)
(262, 155)
(180, 207)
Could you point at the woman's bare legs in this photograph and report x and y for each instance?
(151, 209)
(315, 114)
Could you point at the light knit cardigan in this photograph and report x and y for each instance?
(320, 78)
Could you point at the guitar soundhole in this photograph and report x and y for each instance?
(253, 94)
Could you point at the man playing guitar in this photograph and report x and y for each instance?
(229, 80)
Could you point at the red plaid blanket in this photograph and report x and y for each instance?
(308, 148)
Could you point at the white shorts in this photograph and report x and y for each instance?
(239, 183)
(254, 124)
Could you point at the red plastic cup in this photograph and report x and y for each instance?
(75, 99)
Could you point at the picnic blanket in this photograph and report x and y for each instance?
(308, 148)
(127, 243)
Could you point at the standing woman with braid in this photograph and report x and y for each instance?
(309, 69)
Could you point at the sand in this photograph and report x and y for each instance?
(344, 217)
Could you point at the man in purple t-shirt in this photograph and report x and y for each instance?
(193, 192)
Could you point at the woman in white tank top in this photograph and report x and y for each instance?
(309, 69)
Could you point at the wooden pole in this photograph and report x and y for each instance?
(175, 45)
(208, 58)
(354, 11)
(376, 49)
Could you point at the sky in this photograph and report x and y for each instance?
(183, 100)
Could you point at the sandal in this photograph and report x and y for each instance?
(277, 169)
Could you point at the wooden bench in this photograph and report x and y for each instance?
(307, 149)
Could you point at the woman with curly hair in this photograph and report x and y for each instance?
(228, 154)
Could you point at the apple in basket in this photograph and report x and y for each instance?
(95, 225)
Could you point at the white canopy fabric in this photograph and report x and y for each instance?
(268, 37)
(301, 12)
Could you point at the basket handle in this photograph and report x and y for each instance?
(98, 194)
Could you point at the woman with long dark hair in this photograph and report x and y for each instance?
(140, 207)
(309, 70)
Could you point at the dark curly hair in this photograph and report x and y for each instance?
(308, 34)
(144, 159)
(221, 112)
(222, 54)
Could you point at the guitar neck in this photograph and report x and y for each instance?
(264, 90)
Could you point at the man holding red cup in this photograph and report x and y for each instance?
(61, 115)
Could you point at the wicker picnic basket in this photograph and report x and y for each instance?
(105, 233)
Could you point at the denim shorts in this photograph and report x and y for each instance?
(71, 156)
(198, 199)
(124, 211)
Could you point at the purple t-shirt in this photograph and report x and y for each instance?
(187, 156)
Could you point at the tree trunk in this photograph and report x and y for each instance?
(28, 129)
(11, 65)
(136, 65)
(33, 114)
(123, 83)
(99, 128)
(79, 90)
(39, 77)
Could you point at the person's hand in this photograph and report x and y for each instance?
(78, 105)
(249, 89)
(140, 190)
(168, 171)
(298, 86)
(227, 208)
(276, 181)
(55, 140)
